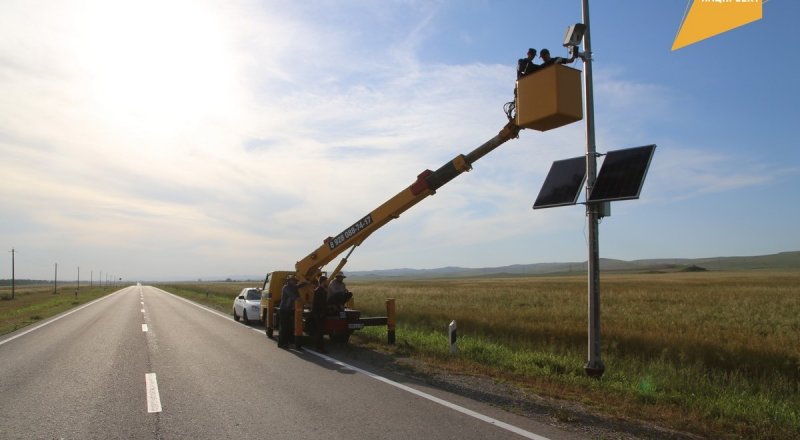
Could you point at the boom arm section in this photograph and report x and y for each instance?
(426, 184)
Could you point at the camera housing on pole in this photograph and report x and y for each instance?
(573, 38)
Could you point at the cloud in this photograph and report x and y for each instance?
(239, 139)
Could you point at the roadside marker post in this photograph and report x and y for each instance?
(453, 335)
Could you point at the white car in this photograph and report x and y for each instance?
(247, 306)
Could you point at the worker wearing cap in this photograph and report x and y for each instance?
(547, 60)
(338, 294)
(289, 296)
(526, 66)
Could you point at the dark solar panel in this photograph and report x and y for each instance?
(622, 174)
(563, 183)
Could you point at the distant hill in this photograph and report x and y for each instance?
(781, 261)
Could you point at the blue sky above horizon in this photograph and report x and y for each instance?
(192, 139)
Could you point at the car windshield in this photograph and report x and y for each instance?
(253, 294)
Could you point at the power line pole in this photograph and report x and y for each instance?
(13, 278)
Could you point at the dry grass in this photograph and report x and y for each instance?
(715, 353)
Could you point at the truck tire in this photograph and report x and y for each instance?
(235, 316)
(244, 318)
(269, 332)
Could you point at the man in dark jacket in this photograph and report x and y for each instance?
(548, 60)
(318, 311)
(338, 293)
(526, 66)
(289, 296)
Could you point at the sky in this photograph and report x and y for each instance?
(172, 139)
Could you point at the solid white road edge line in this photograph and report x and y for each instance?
(453, 406)
(153, 398)
(59, 317)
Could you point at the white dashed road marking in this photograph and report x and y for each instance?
(144, 327)
(153, 399)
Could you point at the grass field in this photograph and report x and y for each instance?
(712, 353)
(32, 304)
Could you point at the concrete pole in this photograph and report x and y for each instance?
(13, 275)
(594, 366)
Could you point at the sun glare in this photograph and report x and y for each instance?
(157, 67)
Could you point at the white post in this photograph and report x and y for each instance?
(453, 336)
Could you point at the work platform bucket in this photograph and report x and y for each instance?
(549, 98)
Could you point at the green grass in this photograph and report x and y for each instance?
(712, 353)
(32, 304)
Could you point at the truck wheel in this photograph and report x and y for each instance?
(235, 316)
(244, 318)
(269, 332)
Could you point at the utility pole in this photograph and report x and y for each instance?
(594, 366)
(13, 277)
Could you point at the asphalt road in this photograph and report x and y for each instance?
(142, 363)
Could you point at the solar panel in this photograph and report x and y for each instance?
(563, 183)
(622, 175)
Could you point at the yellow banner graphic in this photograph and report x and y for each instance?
(708, 18)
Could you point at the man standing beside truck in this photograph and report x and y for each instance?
(338, 294)
(289, 296)
(318, 311)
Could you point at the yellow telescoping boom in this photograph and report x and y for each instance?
(426, 184)
(341, 325)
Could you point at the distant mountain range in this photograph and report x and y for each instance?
(780, 261)
(783, 261)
